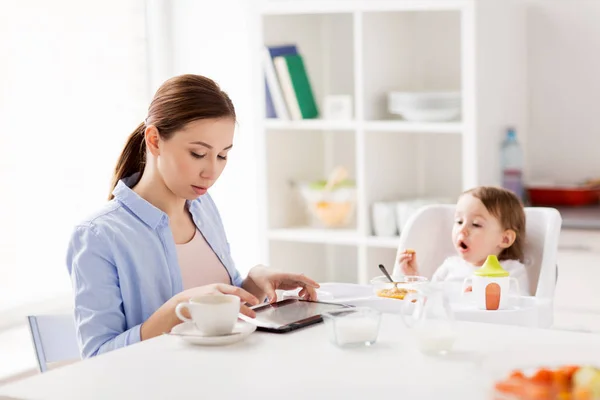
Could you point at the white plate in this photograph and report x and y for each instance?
(346, 290)
(322, 295)
(190, 334)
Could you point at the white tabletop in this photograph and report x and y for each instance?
(301, 364)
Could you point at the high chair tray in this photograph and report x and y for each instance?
(530, 311)
(527, 311)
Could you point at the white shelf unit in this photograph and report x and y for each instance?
(366, 48)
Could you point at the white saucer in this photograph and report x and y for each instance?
(190, 334)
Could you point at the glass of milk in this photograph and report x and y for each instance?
(353, 327)
(430, 319)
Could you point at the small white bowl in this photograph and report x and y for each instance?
(353, 327)
(410, 283)
(425, 106)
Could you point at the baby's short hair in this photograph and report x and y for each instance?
(508, 209)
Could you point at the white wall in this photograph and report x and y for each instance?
(73, 85)
(564, 89)
(218, 40)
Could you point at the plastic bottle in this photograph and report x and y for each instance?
(512, 164)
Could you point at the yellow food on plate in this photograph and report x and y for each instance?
(394, 293)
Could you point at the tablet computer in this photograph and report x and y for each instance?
(291, 314)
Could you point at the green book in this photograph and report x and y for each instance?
(302, 88)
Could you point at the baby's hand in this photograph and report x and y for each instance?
(407, 260)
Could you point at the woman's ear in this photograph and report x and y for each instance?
(151, 138)
(508, 238)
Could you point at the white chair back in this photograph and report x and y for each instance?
(54, 339)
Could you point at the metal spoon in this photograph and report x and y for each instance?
(382, 268)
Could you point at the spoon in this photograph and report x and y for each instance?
(337, 176)
(382, 268)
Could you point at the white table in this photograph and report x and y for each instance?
(301, 364)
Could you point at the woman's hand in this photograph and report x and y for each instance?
(164, 319)
(221, 288)
(407, 260)
(262, 280)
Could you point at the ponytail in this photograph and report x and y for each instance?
(132, 158)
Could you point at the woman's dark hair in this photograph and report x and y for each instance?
(179, 101)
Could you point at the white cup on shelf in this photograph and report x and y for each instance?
(404, 209)
(384, 218)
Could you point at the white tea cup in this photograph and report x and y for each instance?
(213, 315)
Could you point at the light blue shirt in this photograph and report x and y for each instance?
(123, 266)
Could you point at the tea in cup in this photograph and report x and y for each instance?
(491, 285)
(213, 315)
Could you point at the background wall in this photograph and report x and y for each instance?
(73, 85)
(564, 89)
(220, 44)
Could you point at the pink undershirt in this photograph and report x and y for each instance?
(199, 264)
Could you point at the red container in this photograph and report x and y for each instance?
(563, 196)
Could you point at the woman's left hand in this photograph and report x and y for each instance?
(268, 280)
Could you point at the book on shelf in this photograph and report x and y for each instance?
(275, 103)
(269, 106)
(296, 86)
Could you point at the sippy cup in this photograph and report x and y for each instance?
(491, 284)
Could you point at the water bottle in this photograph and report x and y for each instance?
(512, 164)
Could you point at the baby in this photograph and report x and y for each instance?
(488, 220)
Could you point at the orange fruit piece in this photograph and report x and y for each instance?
(569, 370)
(543, 376)
(517, 374)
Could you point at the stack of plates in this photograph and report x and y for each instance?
(425, 106)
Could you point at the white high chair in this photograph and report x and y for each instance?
(428, 232)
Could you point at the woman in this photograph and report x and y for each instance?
(159, 240)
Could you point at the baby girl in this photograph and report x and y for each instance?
(488, 220)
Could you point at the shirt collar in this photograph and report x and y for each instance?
(145, 211)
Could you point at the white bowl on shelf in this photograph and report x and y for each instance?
(425, 106)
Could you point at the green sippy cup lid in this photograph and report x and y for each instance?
(491, 268)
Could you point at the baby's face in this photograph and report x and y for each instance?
(476, 234)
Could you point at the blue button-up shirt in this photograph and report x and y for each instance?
(123, 266)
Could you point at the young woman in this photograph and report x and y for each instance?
(159, 240)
